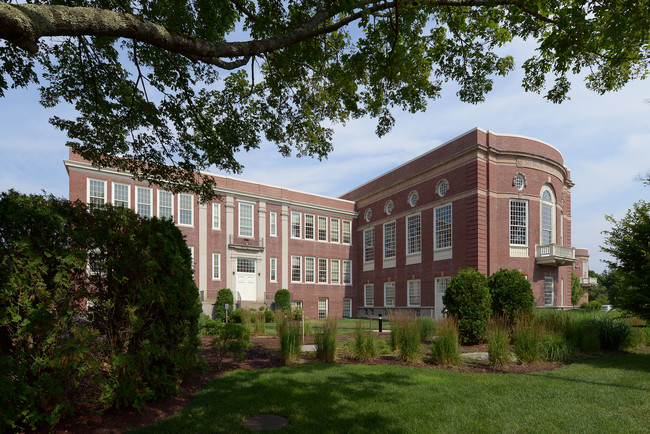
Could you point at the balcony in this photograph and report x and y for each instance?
(250, 244)
(551, 254)
(588, 281)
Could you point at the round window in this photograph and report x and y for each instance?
(443, 187)
(368, 214)
(388, 207)
(519, 181)
(413, 198)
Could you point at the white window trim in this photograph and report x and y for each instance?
(314, 229)
(137, 202)
(552, 206)
(180, 195)
(394, 224)
(394, 290)
(313, 270)
(318, 220)
(348, 301)
(406, 221)
(338, 273)
(291, 225)
(103, 181)
(327, 275)
(368, 287)
(216, 266)
(273, 224)
(371, 249)
(158, 193)
(216, 211)
(128, 195)
(239, 226)
(300, 269)
(343, 272)
(527, 222)
(349, 223)
(273, 266)
(408, 293)
(338, 225)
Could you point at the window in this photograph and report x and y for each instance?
(347, 308)
(322, 228)
(296, 304)
(414, 234)
(273, 224)
(389, 241)
(548, 291)
(165, 204)
(336, 271)
(442, 227)
(519, 181)
(296, 269)
(441, 284)
(245, 265)
(369, 295)
(413, 198)
(121, 195)
(185, 209)
(96, 192)
(246, 220)
(369, 245)
(216, 266)
(389, 294)
(347, 272)
(414, 292)
(388, 208)
(347, 232)
(322, 308)
(309, 227)
(216, 215)
(310, 277)
(547, 234)
(443, 188)
(519, 222)
(295, 224)
(322, 270)
(368, 215)
(335, 230)
(273, 270)
(143, 201)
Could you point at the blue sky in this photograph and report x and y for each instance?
(605, 141)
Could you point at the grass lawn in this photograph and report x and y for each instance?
(611, 394)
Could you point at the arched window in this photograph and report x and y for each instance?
(547, 217)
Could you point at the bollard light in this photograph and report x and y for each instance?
(380, 327)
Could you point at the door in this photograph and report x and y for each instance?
(246, 279)
(440, 288)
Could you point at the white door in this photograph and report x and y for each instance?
(246, 279)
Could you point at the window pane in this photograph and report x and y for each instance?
(414, 235)
(96, 193)
(518, 222)
(347, 272)
(165, 202)
(547, 224)
(295, 225)
(336, 271)
(334, 230)
(121, 195)
(309, 227)
(185, 209)
(369, 291)
(347, 232)
(216, 266)
(389, 240)
(322, 270)
(296, 271)
(273, 224)
(245, 220)
(309, 270)
(144, 201)
(369, 245)
(216, 215)
(322, 228)
(443, 227)
(389, 294)
(414, 292)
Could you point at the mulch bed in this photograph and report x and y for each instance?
(264, 353)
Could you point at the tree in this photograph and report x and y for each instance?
(468, 299)
(576, 290)
(162, 90)
(224, 296)
(628, 242)
(511, 294)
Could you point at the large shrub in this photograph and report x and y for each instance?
(224, 296)
(468, 299)
(511, 294)
(283, 299)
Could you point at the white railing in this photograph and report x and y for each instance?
(588, 281)
(552, 250)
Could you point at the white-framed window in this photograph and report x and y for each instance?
(323, 306)
(216, 266)
(413, 198)
(121, 195)
(216, 215)
(413, 234)
(369, 245)
(296, 304)
(273, 269)
(185, 209)
(347, 232)
(246, 265)
(347, 272)
(322, 228)
(547, 217)
(335, 230)
(246, 226)
(518, 222)
(273, 224)
(165, 204)
(309, 227)
(336, 271)
(296, 269)
(389, 294)
(96, 192)
(369, 294)
(414, 292)
(519, 181)
(548, 290)
(143, 201)
(442, 188)
(388, 207)
(442, 221)
(347, 308)
(441, 284)
(296, 224)
(310, 275)
(390, 240)
(322, 270)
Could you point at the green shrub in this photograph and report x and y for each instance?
(326, 341)
(445, 349)
(511, 294)
(591, 306)
(498, 342)
(290, 337)
(235, 316)
(527, 341)
(427, 328)
(365, 344)
(398, 322)
(224, 296)
(245, 317)
(468, 299)
(232, 338)
(269, 316)
(589, 339)
(615, 334)
(260, 323)
(208, 326)
(552, 320)
(556, 348)
(283, 299)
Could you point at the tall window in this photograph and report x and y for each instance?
(273, 224)
(216, 215)
(322, 308)
(143, 201)
(165, 204)
(309, 227)
(414, 292)
(309, 270)
(273, 270)
(347, 308)
(335, 230)
(519, 222)
(369, 294)
(548, 211)
(389, 294)
(369, 245)
(548, 291)
(295, 224)
(216, 266)
(185, 209)
(336, 271)
(121, 195)
(389, 240)
(322, 270)
(296, 269)
(96, 192)
(322, 228)
(245, 219)
(347, 232)
(413, 234)
(347, 272)
(442, 225)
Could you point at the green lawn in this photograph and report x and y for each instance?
(611, 394)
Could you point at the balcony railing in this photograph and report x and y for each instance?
(551, 254)
(246, 243)
(588, 281)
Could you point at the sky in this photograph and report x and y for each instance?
(604, 139)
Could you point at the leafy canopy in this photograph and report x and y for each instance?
(166, 89)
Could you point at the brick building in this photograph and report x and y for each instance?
(481, 200)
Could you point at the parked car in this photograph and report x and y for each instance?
(607, 307)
